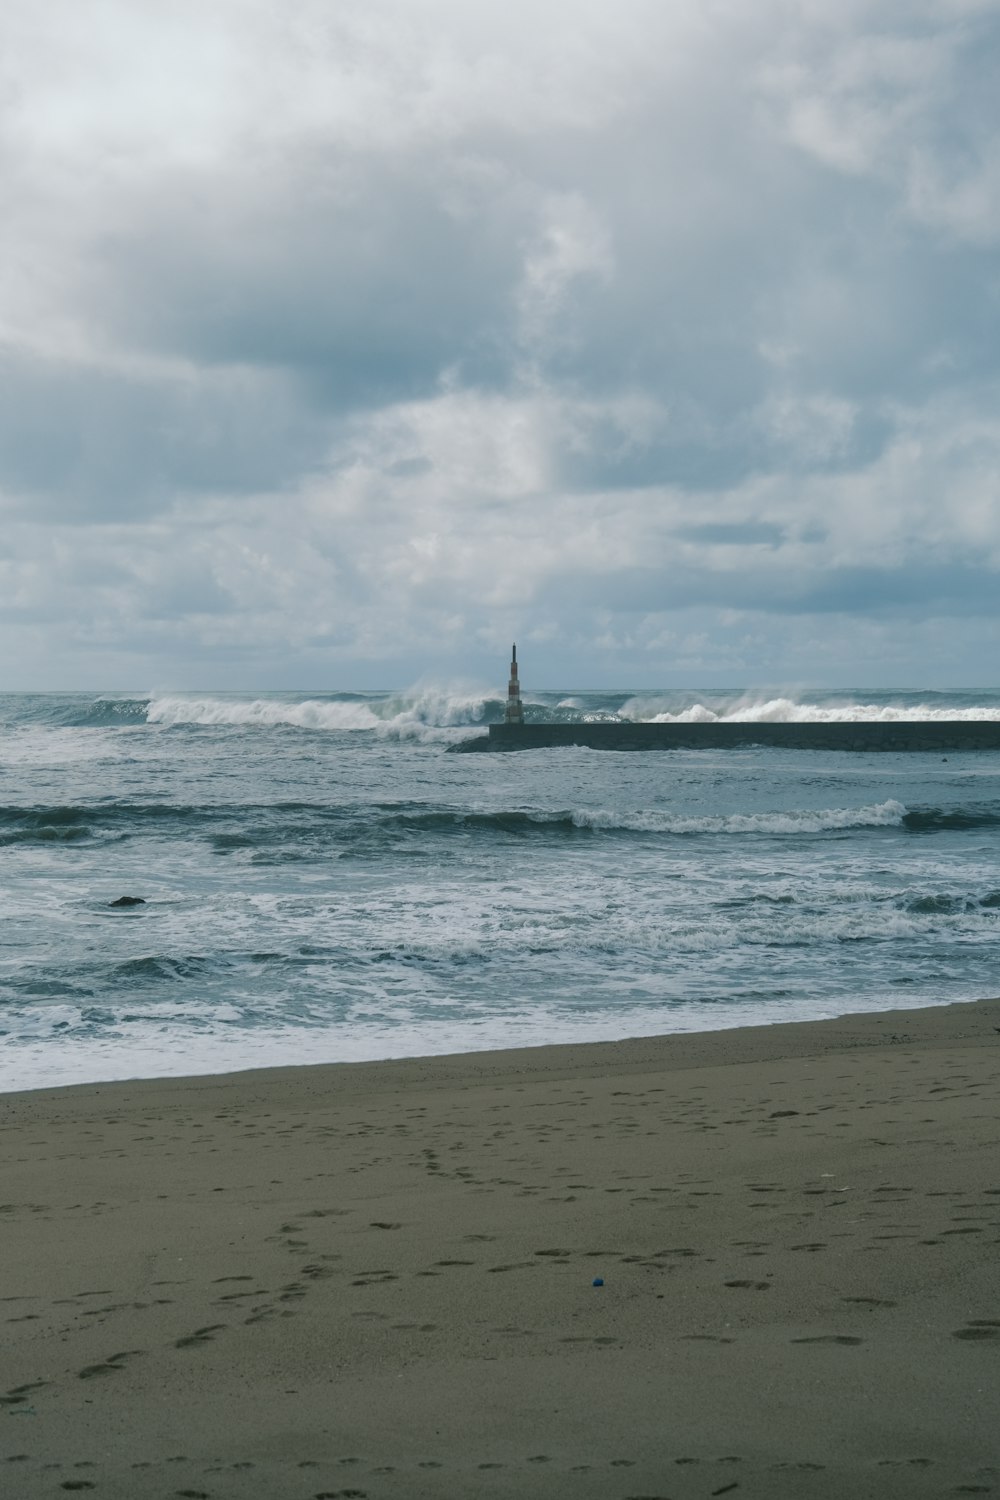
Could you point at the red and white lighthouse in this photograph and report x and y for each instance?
(515, 710)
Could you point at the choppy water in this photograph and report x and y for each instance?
(324, 882)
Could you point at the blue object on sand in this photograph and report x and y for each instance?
(598, 1281)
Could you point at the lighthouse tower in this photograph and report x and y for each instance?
(515, 712)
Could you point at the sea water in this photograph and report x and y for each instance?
(323, 881)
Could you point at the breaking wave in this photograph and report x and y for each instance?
(519, 822)
(787, 711)
(882, 815)
(421, 714)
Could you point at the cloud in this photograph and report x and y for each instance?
(343, 340)
(93, 440)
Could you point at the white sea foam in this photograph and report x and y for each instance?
(427, 713)
(882, 814)
(54, 1062)
(787, 711)
(39, 746)
(313, 713)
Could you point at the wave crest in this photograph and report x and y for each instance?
(253, 825)
(313, 713)
(419, 714)
(787, 711)
(597, 820)
(881, 815)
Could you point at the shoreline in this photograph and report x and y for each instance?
(378, 1278)
(524, 1048)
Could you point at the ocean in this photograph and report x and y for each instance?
(322, 881)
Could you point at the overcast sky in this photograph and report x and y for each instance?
(343, 340)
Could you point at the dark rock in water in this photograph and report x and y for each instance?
(129, 901)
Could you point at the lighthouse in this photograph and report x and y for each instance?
(515, 712)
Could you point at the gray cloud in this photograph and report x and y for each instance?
(81, 440)
(354, 276)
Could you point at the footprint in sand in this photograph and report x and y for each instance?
(979, 1328)
(829, 1338)
(200, 1336)
(318, 1271)
(18, 1394)
(110, 1366)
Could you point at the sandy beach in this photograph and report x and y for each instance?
(378, 1280)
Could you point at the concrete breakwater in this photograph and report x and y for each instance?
(937, 736)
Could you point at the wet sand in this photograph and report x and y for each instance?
(377, 1280)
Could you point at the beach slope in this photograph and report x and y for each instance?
(378, 1280)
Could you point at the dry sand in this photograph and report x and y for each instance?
(377, 1280)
